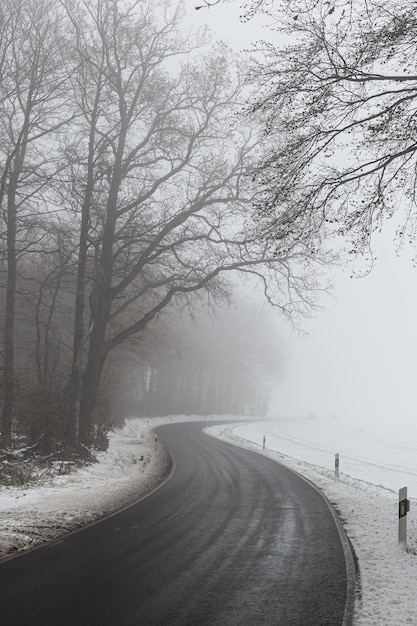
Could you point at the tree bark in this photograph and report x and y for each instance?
(9, 317)
(74, 386)
(73, 391)
(91, 380)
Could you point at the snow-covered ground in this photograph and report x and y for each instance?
(39, 512)
(374, 463)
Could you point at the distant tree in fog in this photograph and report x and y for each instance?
(224, 364)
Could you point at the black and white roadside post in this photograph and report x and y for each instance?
(263, 443)
(336, 467)
(403, 508)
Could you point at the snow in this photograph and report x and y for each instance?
(375, 462)
(35, 513)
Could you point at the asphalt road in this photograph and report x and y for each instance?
(232, 538)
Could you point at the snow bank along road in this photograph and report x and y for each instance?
(231, 538)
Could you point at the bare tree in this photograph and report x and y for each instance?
(43, 334)
(338, 102)
(32, 74)
(162, 182)
(45, 287)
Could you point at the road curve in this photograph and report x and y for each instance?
(232, 538)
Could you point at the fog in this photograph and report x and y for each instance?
(357, 359)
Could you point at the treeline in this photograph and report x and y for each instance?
(126, 193)
(226, 365)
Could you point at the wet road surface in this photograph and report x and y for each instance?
(232, 538)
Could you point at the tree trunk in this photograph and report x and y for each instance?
(91, 380)
(98, 350)
(9, 317)
(73, 391)
(74, 386)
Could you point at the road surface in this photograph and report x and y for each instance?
(232, 538)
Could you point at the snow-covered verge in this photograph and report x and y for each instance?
(374, 464)
(38, 512)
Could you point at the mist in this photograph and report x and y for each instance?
(356, 358)
(224, 360)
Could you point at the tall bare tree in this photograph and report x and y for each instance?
(162, 183)
(32, 77)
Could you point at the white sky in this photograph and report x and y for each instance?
(223, 20)
(359, 358)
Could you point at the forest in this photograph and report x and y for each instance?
(127, 202)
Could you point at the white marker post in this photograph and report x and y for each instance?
(336, 467)
(403, 508)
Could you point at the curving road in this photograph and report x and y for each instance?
(232, 538)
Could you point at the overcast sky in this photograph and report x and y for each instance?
(360, 357)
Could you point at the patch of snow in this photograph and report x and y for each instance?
(37, 512)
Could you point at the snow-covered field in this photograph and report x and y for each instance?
(374, 463)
